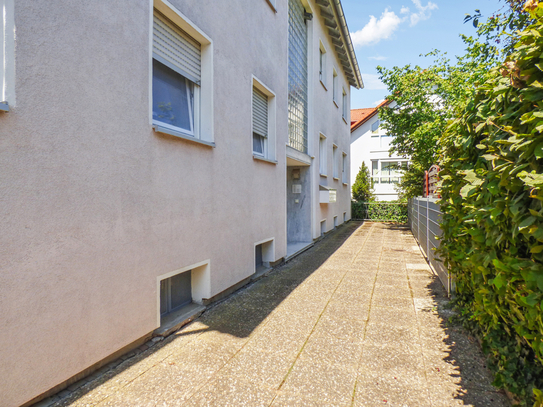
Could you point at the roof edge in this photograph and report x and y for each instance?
(348, 42)
(369, 116)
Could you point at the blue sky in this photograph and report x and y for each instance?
(395, 32)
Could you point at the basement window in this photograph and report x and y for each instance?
(175, 293)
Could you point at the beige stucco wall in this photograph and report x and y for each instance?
(95, 205)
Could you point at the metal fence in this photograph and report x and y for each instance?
(424, 216)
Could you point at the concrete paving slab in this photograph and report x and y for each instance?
(318, 380)
(356, 320)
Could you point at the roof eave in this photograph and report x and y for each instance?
(334, 7)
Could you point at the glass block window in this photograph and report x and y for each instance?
(297, 77)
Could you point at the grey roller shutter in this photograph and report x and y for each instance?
(176, 49)
(260, 113)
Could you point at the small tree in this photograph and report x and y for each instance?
(362, 185)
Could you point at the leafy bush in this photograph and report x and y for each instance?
(362, 185)
(380, 211)
(492, 194)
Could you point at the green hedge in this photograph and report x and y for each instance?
(379, 211)
(492, 194)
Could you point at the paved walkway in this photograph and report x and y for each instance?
(357, 320)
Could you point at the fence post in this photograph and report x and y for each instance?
(428, 228)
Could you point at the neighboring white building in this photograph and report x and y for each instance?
(371, 144)
(155, 156)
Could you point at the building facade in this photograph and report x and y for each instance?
(155, 155)
(370, 144)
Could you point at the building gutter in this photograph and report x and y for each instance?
(336, 4)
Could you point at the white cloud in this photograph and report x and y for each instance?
(377, 103)
(378, 58)
(404, 10)
(372, 82)
(424, 12)
(377, 30)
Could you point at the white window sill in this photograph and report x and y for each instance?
(335, 103)
(266, 160)
(336, 179)
(163, 130)
(4, 107)
(345, 184)
(324, 175)
(344, 119)
(323, 85)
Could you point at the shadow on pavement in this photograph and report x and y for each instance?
(458, 366)
(240, 313)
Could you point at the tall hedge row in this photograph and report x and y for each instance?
(492, 193)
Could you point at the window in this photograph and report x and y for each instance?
(176, 77)
(335, 87)
(335, 221)
(7, 55)
(344, 105)
(387, 172)
(260, 122)
(323, 227)
(264, 255)
(297, 76)
(322, 64)
(374, 172)
(263, 122)
(344, 169)
(375, 127)
(335, 159)
(322, 155)
(182, 77)
(175, 293)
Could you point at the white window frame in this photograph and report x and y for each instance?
(378, 176)
(335, 160)
(322, 64)
(344, 105)
(200, 281)
(323, 227)
(203, 103)
(376, 130)
(344, 174)
(335, 82)
(270, 142)
(7, 55)
(322, 155)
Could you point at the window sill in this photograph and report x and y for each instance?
(336, 179)
(266, 160)
(324, 175)
(4, 107)
(344, 119)
(345, 184)
(323, 85)
(180, 135)
(335, 103)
